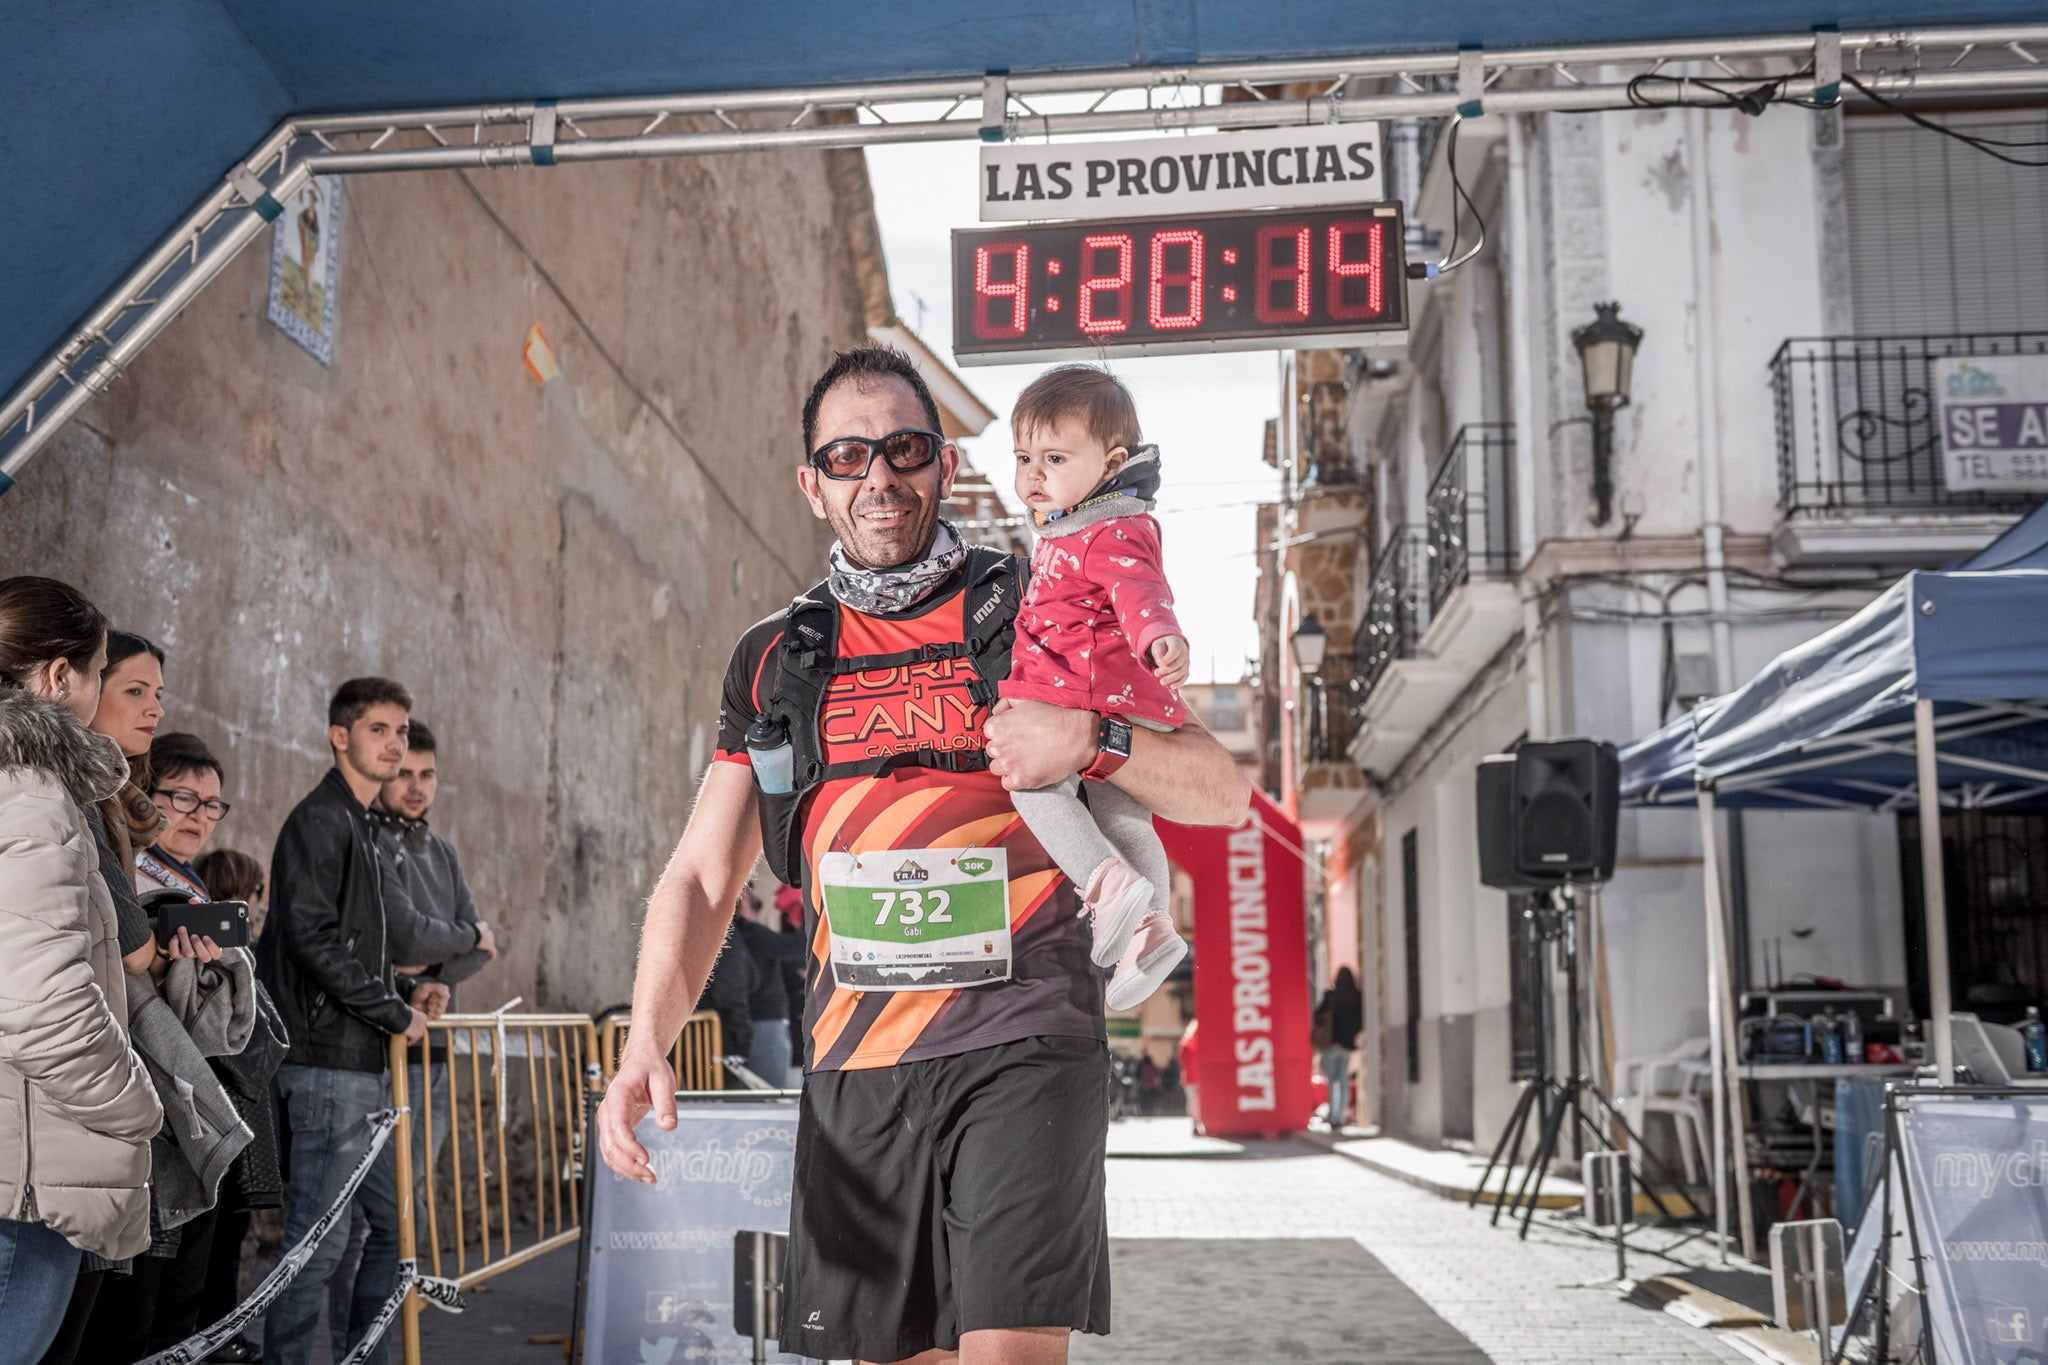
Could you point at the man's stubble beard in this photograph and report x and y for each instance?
(865, 554)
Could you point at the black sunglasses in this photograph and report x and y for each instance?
(850, 457)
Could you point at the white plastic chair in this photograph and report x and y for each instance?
(1670, 1085)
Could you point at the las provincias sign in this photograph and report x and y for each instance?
(1267, 168)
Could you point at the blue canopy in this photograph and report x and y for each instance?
(122, 113)
(1830, 723)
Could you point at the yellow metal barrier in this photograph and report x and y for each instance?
(557, 1057)
(563, 1056)
(695, 1056)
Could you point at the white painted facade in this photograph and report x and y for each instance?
(1721, 236)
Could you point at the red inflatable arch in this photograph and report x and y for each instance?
(1253, 1064)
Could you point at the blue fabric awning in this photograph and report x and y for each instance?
(122, 113)
(1830, 723)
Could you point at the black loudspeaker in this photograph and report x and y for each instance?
(1497, 823)
(1547, 814)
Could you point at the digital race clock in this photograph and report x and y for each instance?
(1274, 279)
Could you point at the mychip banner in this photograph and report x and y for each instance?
(659, 1277)
(1977, 1175)
(1994, 422)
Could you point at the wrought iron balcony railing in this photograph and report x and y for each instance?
(1859, 427)
(1329, 699)
(1396, 608)
(1471, 510)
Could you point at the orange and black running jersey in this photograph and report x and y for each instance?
(1054, 989)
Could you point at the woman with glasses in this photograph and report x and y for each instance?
(185, 784)
(202, 1006)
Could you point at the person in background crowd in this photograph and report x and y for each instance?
(64, 1052)
(727, 994)
(187, 780)
(789, 902)
(770, 953)
(327, 965)
(1342, 1009)
(435, 932)
(131, 705)
(1185, 1056)
(129, 712)
(198, 1011)
(432, 918)
(232, 875)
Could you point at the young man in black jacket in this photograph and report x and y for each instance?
(325, 960)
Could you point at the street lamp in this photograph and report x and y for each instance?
(1607, 354)
(1308, 643)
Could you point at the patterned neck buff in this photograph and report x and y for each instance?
(890, 592)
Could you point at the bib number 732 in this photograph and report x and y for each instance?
(919, 906)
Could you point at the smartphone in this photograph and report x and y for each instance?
(225, 922)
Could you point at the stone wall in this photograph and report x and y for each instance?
(558, 572)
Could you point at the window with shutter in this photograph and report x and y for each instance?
(1944, 239)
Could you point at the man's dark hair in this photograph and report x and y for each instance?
(866, 366)
(418, 737)
(358, 695)
(175, 754)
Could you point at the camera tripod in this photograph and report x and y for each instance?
(1551, 1098)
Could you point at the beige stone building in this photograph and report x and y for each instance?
(557, 570)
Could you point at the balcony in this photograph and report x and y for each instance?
(1331, 716)
(1859, 451)
(1474, 606)
(1443, 600)
(1327, 786)
(1395, 610)
(1401, 690)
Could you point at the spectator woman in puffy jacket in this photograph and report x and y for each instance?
(77, 1109)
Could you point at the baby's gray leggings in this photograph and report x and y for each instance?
(1081, 837)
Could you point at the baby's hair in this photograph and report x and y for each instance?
(1094, 395)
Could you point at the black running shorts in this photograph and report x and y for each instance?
(946, 1196)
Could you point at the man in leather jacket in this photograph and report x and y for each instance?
(325, 959)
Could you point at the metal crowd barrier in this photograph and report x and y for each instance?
(483, 1057)
(695, 1056)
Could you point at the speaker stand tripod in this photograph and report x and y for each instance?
(1552, 1099)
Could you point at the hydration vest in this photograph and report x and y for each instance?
(804, 661)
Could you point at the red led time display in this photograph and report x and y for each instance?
(1223, 281)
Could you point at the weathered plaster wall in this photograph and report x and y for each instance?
(558, 573)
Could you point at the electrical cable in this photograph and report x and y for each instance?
(1752, 97)
(1446, 265)
(1986, 145)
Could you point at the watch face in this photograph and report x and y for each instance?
(1116, 736)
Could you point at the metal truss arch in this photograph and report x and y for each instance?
(1910, 65)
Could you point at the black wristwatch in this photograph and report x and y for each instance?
(1112, 749)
